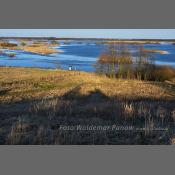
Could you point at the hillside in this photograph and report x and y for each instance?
(35, 102)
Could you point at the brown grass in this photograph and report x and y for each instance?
(6, 45)
(34, 103)
(43, 49)
(154, 51)
(132, 42)
(40, 47)
(27, 83)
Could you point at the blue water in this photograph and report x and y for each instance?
(79, 55)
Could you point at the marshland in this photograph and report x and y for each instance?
(49, 83)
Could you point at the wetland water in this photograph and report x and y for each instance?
(80, 55)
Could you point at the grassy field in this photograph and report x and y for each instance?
(34, 103)
(44, 49)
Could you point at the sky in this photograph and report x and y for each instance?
(91, 33)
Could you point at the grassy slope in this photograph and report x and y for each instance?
(26, 83)
(35, 102)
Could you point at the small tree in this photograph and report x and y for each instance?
(143, 64)
(115, 61)
(23, 44)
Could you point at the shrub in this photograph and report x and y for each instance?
(162, 73)
(23, 44)
(11, 54)
(117, 62)
(8, 45)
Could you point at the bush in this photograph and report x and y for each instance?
(155, 73)
(23, 44)
(8, 45)
(162, 73)
(54, 42)
(118, 62)
(11, 54)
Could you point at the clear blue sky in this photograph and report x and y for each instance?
(92, 33)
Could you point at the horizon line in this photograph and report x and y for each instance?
(87, 38)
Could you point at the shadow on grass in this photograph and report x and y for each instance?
(4, 91)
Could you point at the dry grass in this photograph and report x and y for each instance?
(133, 42)
(43, 49)
(39, 47)
(35, 102)
(155, 51)
(6, 45)
(27, 83)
